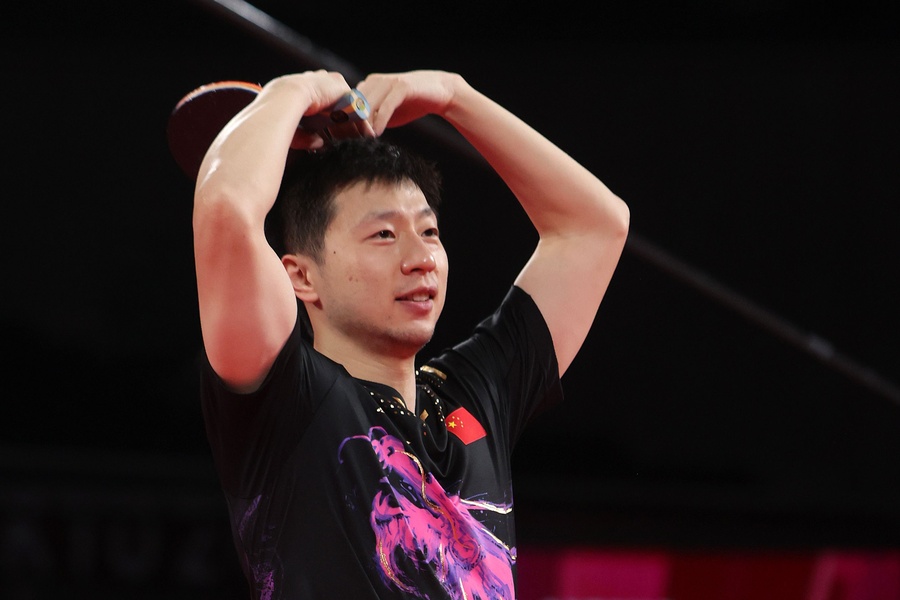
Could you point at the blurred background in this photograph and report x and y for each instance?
(739, 394)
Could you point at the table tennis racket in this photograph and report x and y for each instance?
(202, 113)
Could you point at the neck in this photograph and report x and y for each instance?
(395, 370)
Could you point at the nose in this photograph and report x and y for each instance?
(418, 257)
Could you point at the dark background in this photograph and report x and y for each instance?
(739, 388)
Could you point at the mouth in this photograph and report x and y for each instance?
(418, 295)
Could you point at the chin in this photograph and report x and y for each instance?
(413, 341)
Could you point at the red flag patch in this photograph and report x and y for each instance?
(463, 425)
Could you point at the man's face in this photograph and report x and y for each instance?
(382, 278)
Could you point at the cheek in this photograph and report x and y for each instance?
(365, 272)
(346, 273)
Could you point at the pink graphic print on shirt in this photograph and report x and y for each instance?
(417, 524)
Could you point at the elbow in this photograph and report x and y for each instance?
(616, 219)
(219, 204)
(213, 207)
(622, 217)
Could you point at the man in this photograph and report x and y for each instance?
(348, 472)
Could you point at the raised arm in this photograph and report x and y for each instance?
(582, 225)
(246, 300)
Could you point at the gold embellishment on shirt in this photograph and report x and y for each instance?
(424, 490)
(395, 405)
(433, 371)
(424, 415)
(386, 564)
(437, 402)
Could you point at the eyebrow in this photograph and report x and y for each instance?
(388, 215)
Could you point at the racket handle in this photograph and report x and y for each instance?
(353, 106)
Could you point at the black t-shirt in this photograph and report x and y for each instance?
(336, 491)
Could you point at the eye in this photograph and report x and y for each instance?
(384, 234)
(432, 232)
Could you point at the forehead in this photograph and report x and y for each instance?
(366, 201)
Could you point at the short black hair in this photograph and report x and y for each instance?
(312, 179)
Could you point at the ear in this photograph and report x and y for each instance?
(302, 271)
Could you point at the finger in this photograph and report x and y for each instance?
(384, 115)
(376, 87)
(365, 129)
